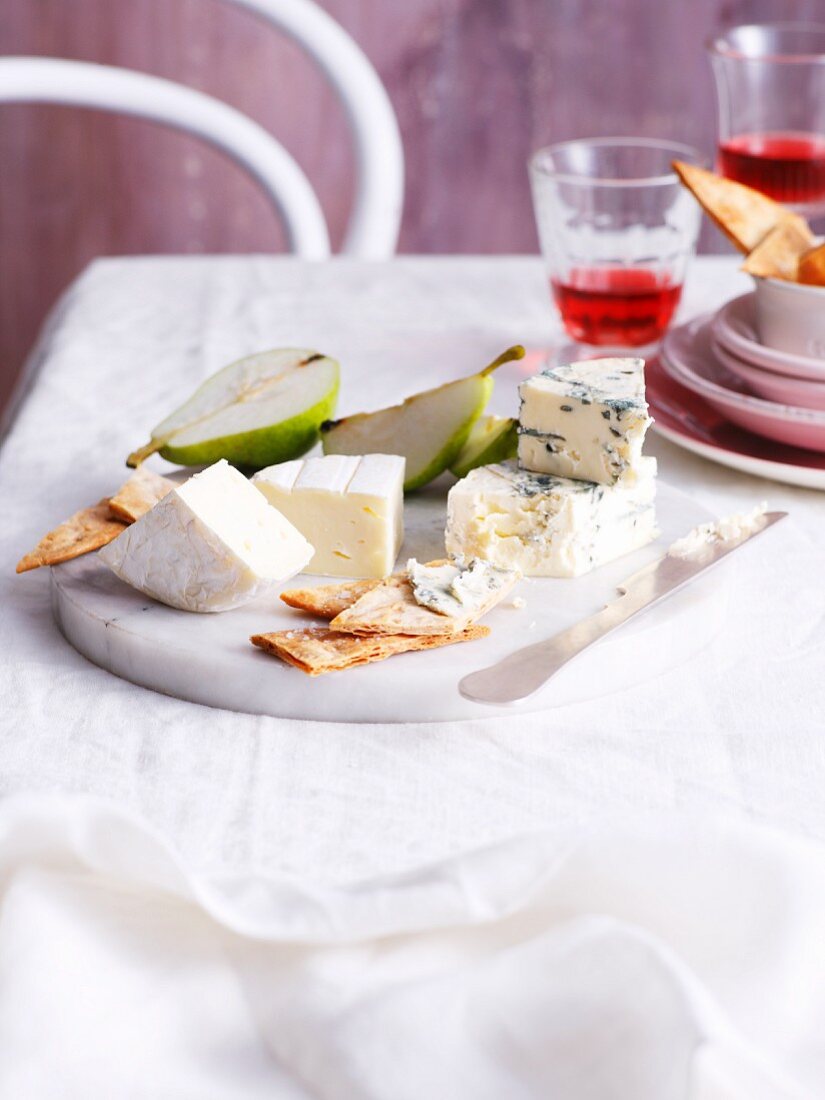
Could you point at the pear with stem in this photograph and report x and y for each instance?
(429, 429)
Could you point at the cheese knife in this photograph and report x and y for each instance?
(522, 673)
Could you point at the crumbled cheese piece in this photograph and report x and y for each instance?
(727, 529)
(459, 589)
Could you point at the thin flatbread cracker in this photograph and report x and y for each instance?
(86, 530)
(777, 255)
(139, 495)
(318, 650)
(327, 600)
(811, 269)
(745, 216)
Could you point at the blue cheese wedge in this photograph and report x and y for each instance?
(211, 544)
(350, 507)
(547, 526)
(584, 420)
(460, 590)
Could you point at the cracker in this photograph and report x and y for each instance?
(391, 608)
(812, 267)
(139, 495)
(318, 650)
(777, 255)
(327, 600)
(745, 216)
(86, 530)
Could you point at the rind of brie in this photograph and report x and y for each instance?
(585, 420)
(211, 544)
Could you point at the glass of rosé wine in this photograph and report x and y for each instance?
(617, 232)
(770, 84)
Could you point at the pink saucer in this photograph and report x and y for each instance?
(780, 388)
(690, 422)
(733, 328)
(687, 356)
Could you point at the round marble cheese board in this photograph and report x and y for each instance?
(208, 658)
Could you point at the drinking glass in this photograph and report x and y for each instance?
(617, 231)
(770, 84)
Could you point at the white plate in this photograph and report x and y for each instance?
(734, 327)
(209, 659)
(687, 355)
(779, 388)
(687, 420)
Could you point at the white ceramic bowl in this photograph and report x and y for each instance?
(791, 317)
(734, 328)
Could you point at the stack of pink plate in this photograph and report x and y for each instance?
(717, 390)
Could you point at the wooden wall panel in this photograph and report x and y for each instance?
(476, 85)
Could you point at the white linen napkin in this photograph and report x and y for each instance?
(650, 959)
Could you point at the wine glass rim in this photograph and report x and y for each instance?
(720, 45)
(677, 149)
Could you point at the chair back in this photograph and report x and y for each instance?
(83, 84)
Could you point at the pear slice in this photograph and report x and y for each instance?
(258, 411)
(428, 429)
(491, 439)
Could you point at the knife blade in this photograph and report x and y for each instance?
(522, 673)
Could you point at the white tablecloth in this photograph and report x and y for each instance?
(740, 729)
(648, 960)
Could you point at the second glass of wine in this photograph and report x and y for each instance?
(770, 83)
(617, 232)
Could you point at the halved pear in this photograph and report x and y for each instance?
(428, 429)
(258, 411)
(491, 439)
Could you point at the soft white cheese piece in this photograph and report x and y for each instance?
(548, 526)
(211, 544)
(729, 529)
(350, 507)
(584, 420)
(460, 589)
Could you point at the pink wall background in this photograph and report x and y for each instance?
(476, 85)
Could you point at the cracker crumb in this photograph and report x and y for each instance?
(518, 603)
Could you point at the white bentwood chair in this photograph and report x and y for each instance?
(375, 219)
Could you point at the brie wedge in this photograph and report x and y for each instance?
(350, 507)
(548, 526)
(585, 420)
(211, 544)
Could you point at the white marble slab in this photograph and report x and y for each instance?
(209, 659)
